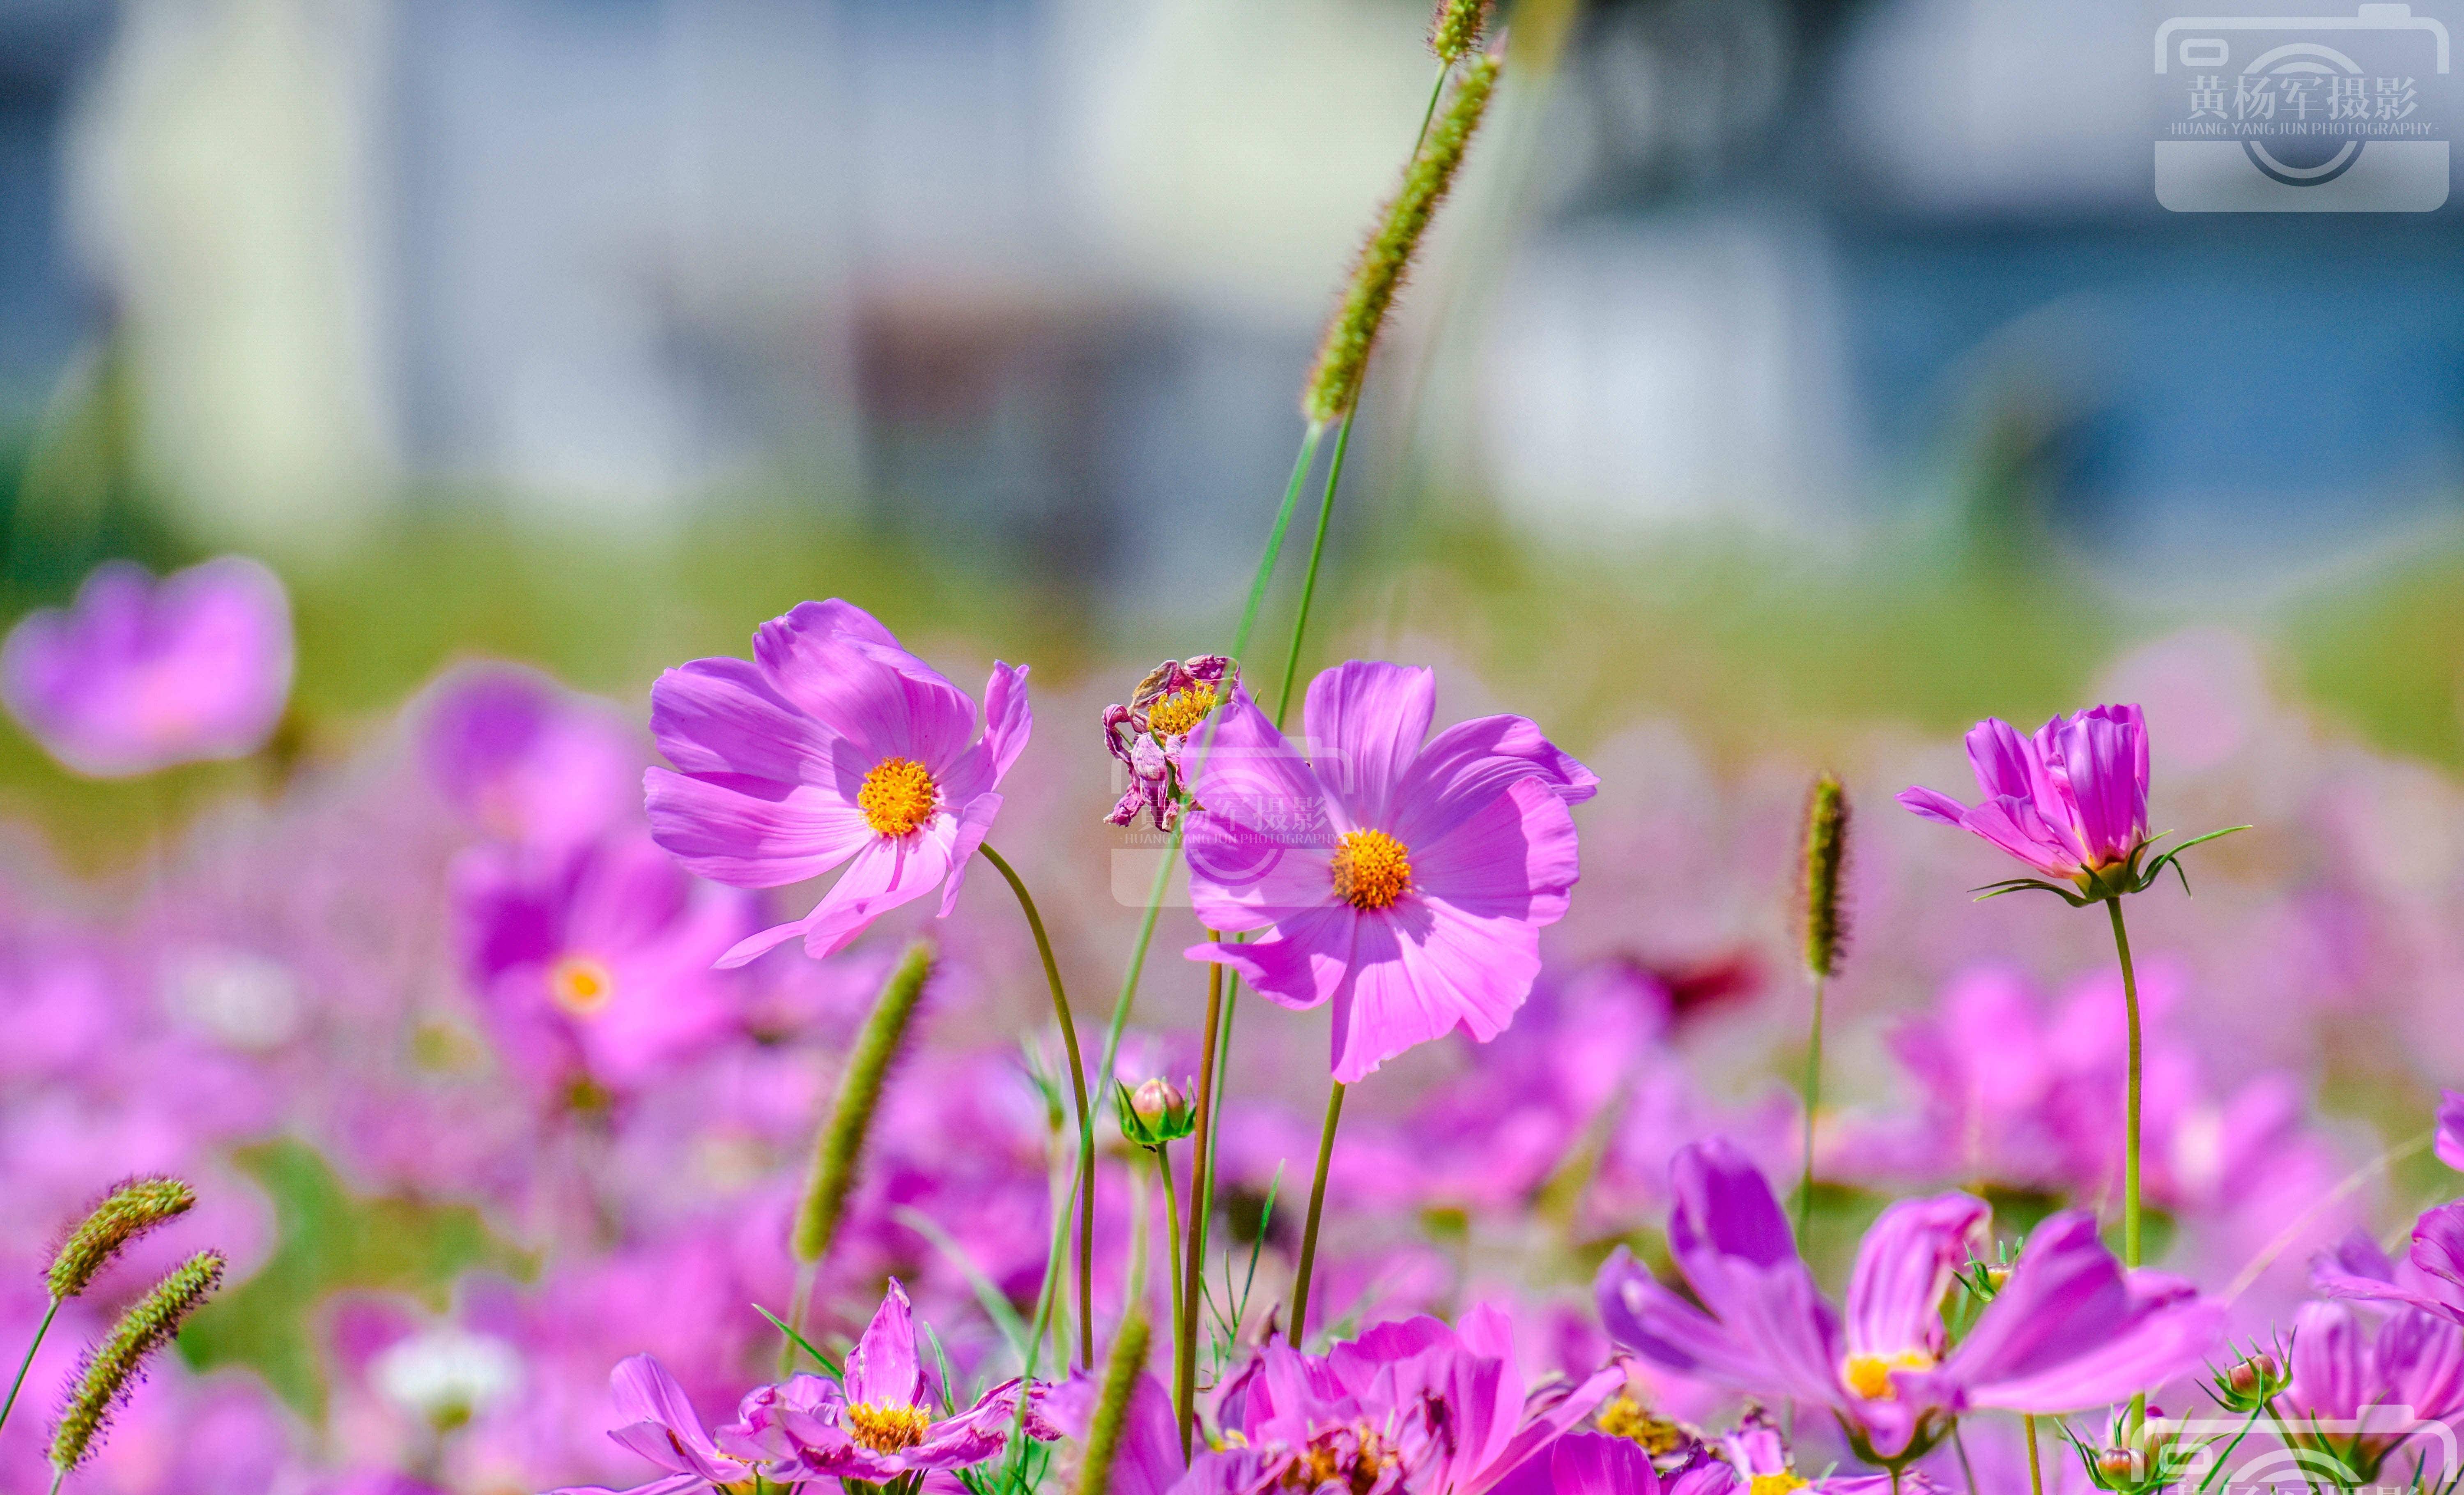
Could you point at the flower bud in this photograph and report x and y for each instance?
(1157, 1111)
(2119, 1466)
(2251, 1383)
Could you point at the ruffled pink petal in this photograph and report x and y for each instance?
(1904, 1268)
(721, 716)
(1470, 762)
(1366, 723)
(2013, 825)
(973, 822)
(1934, 806)
(2008, 765)
(882, 698)
(1301, 965)
(661, 1425)
(1421, 970)
(885, 875)
(1259, 844)
(1008, 720)
(884, 1367)
(2101, 753)
(752, 832)
(1516, 857)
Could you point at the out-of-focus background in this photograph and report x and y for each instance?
(1826, 359)
(1786, 385)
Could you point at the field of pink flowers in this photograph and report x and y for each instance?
(1233, 1077)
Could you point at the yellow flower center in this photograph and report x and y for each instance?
(1370, 870)
(887, 1427)
(1180, 711)
(1628, 1418)
(581, 985)
(1869, 1375)
(1779, 1484)
(897, 796)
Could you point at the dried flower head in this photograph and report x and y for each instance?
(131, 1208)
(1343, 357)
(110, 1370)
(1456, 29)
(1826, 855)
(1151, 734)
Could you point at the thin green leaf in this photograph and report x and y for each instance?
(800, 1341)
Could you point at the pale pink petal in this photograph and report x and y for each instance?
(1470, 761)
(1935, 805)
(885, 700)
(1517, 857)
(885, 875)
(1366, 723)
(721, 716)
(1301, 965)
(1903, 1269)
(884, 1367)
(974, 822)
(752, 832)
(1008, 720)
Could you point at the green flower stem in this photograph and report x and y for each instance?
(1813, 1099)
(28, 1363)
(1078, 1082)
(1170, 1235)
(2129, 1125)
(1318, 1204)
(1308, 580)
(1201, 1183)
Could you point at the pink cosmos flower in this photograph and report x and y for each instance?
(880, 1422)
(2071, 800)
(1412, 1404)
(2358, 1396)
(1404, 881)
(520, 758)
(833, 745)
(2068, 1329)
(139, 675)
(596, 964)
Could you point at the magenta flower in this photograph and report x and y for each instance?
(2357, 1395)
(138, 675)
(596, 965)
(661, 1425)
(879, 1423)
(2431, 1276)
(2067, 1330)
(1412, 1405)
(2071, 803)
(522, 759)
(834, 745)
(1405, 881)
(2449, 1143)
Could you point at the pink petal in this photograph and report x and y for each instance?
(1366, 723)
(1301, 965)
(721, 716)
(752, 832)
(885, 875)
(974, 822)
(884, 1366)
(1904, 1268)
(882, 698)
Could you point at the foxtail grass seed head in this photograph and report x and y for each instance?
(840, 1151)
(1123, 1369)
(132, 1208)
(1826, 855)
(1343, 357)
(1456, 30)
(110, 1370)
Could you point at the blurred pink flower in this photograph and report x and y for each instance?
(138, 675)
(520, 758)
(834, 745)
(1405, 881)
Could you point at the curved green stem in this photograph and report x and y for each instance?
(1308, 580)
(1202, 1209)
(1171, 1234)
(1078, 1082)
(2129, 1123)
(1813, 1099)
(1318, 1206)
(28, 1363)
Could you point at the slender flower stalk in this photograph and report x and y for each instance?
(1170, 1233)
(2036, 1470)
(1316, 1206)
(2129, 1122)
(1078, 1087)
(1201, 1185)
(111, 1368)
(1826, 849)
(840, 1150)
(128, 1211)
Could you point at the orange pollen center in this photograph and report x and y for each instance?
(581, 985)
(1780, 1484)
(1176, 713)
(887, 1427)
(897, 796)
(1869, 1375)
(1370, 870)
